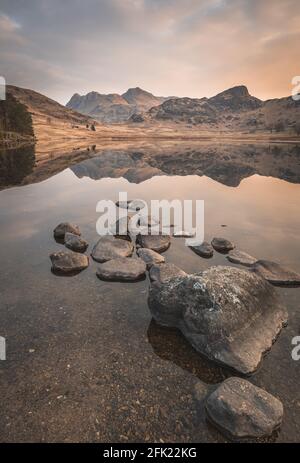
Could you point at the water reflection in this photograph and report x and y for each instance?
(15, 165)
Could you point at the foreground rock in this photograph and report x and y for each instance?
(109, 247)
(230, 315)
(75, 242)
(68, 262)
(276, 274)
(241, 257)
(222, 245)
(204, 250)
(242, 410)
(122, 269)
(150, 257)
(65, 227)
(158, 243)
(164, 272)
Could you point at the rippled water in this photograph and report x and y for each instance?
(85, 362)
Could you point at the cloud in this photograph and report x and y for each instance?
(191, 47)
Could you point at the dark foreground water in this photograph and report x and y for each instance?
(85, 362)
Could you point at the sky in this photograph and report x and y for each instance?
(189, 48)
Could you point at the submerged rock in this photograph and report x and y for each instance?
(164, 272)
(242, 410)
(229, 315)
(65, 227)
(276, 274)
(158, 243)
(222, 245)
(150, 257)
(67, 262)
(122, 269)
(75, 242)
(204, 250)
(241, 257)
(109, 247)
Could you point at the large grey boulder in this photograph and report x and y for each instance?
(109, 247)
(164, 272)
(222, 245)
(158, 243)
(242, 410)
(204, 250)
(276, 274)
(150, 257)
(240, 257)
(75, 242)
(229, 315)
(65, 227)
(68, 262)
(122, 269)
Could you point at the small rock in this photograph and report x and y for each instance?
(75, 242)
(241, 257)
(132, 205)
(150, 257)
(204, 250)
(148, 221)
(242, 410)
(276, 274)
(63, 228)
(122, 269)
(158, 243)
(109, 247)
(222, 245)
(163, 272)
(65, 262)
(183, 234)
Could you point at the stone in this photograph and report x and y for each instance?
(158, 243)
(150, 257)
(163, 272)
(65, 227)
(204, 250)
(240, 257)
(68, 262)
(222, 245)
(183, 234)
(122, 269)
(75, 242)
(109, 247)
(132, 205)
(242, 410)
(276, 274)
(230, 315)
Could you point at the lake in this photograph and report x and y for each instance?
(85, 361)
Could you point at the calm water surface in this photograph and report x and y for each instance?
(85, 362)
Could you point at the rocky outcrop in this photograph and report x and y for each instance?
(276, 274)
(108, 247)
(122, 269)
(229, 315)
(242, 411)
(68, 262)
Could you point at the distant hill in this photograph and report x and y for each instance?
(114, 107)
(232, 110)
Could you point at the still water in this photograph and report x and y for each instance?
(85, 362)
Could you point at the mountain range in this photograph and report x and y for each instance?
(114, 107)
(233, 109)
